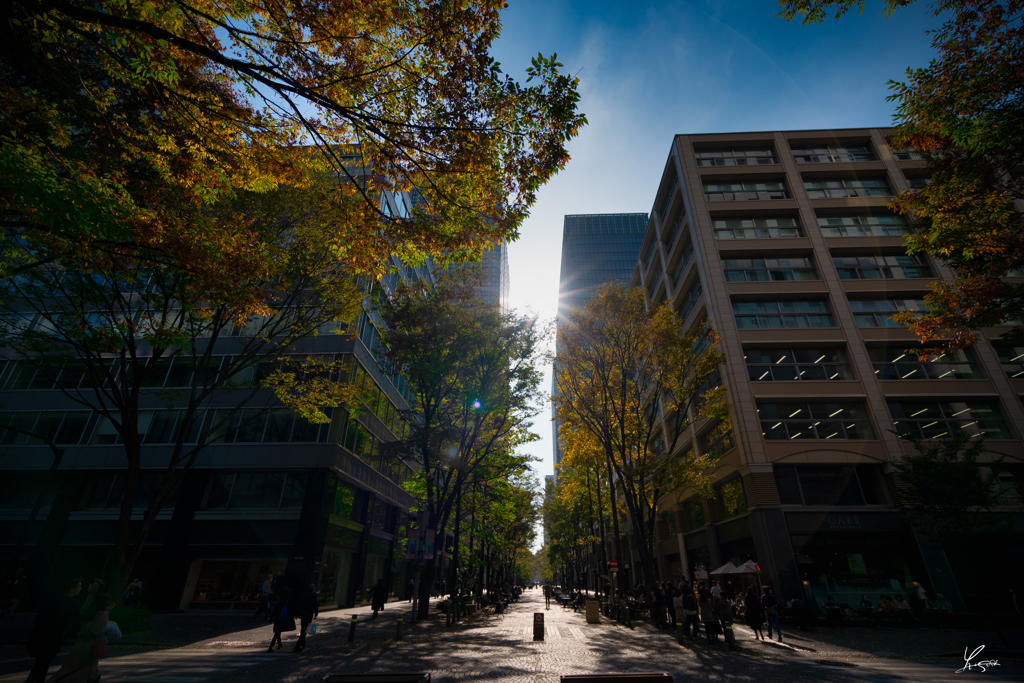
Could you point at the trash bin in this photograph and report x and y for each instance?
(593, 612)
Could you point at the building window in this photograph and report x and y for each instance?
(690, 299)
(907, 155)
(730, 499)
(693, 514)
(935, 419)
(847, 187)
(781, 365)
(1012, 360)
(819, 420)
(744, 191)
(863, 226)
(765, 270)
(735, 157)
(823, 154)
(918, 181)
(830, 484)
(33, 428)
(105, 491)
(881, 267)
(766, 315)
(898, 363)
(879, 312)
(715, 442)
(256, 491)
(680, 269)
(756, 228)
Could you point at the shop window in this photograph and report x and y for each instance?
(935, 419)
(256, 491)
(899, 363)
(830, 484)
(780, 365)
(730, 499)
(821, 420)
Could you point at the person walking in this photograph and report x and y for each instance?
(82, 663)
(284, 618)
(753, 613)
(708, 617)
(770, 605)
(265, 610)
(547, 596)
(409, 588)
(378, 596)
(307, 608)
(726, 617)
(56, 619)
(690, 614)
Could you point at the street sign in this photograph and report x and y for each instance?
(613, 565)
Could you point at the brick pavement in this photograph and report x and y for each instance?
(501, 648)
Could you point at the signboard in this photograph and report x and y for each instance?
(538, 626)
(412, 543)
(428, 545)
(613, 565)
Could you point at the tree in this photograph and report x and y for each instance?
(636, 381)
(104, 101)
(964, 115)
(475, 383)
(957, 494)
(106, 329)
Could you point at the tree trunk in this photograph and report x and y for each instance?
(453, 580)
(615, 525)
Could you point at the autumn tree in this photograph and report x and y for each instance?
(473, 373)
(964, 115)
(635, 380)
(106, 331)
(115, 114)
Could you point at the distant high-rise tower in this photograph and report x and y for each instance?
(596, 249)
(495, 286)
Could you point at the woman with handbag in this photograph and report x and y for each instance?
(82, 663)
(284, 617)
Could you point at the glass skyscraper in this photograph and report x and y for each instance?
(596, 249)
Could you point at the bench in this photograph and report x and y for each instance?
(377, 678)
(618, 678)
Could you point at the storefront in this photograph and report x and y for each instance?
(848, 554)
(228, 584)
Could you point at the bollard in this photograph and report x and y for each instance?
(730, 637)
(352, 629)
(398, 629)
(679, 632)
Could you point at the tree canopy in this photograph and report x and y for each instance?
(964, 114)
(637, 382)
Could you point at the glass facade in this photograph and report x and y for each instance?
(597, 249)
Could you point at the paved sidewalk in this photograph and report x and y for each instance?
(501, 648)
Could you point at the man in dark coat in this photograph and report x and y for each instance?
(56, 619)
(378, 597)
(307, 608)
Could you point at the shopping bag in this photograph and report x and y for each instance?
(312, 629)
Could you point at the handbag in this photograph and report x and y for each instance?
(312, 629)
(99, 649)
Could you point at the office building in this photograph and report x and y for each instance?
(783, 241)
(597, 249)
(319, 503)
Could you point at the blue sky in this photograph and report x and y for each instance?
(651, 70)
